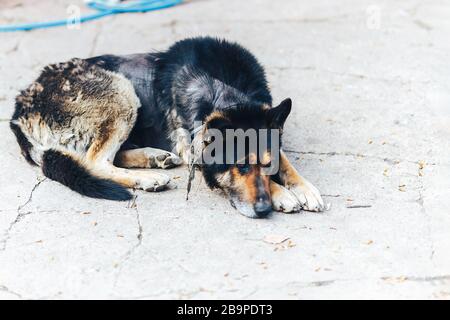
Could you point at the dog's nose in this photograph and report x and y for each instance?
(263, 208)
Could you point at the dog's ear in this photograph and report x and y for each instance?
(278, 115)
(215, 123)
(218, 121)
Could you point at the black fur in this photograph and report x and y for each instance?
(64, 169)
(187, 83)
(23, 142)
(159, 77)
(217, 59)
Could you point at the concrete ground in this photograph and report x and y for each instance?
(370, 128)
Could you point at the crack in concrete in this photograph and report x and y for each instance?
(20, 214)
(442, 278)
(307, 284)
(132, 205)
(420, 185)
(7, 290)
(30, 197)
(132, 250)
(359, 206)
(320, 283)
(423, 210)
(356, 155)
(400, 279)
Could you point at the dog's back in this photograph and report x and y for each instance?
(186, 83)
(217, 59)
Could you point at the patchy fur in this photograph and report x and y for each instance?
(86, 121)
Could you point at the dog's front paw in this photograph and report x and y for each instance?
(309, 197)
(167, 160)
(284, 200)
(153, 182)
(162, 159)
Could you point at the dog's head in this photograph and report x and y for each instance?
(240, 151)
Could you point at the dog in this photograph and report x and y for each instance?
(91, 123)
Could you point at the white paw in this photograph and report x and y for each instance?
(309, 196)
(169, 160)
(153, 182)
(285, 201)
(162, 159)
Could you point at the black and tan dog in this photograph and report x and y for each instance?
(87, 122)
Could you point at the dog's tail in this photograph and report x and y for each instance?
(65, 169)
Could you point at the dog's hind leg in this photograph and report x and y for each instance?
(144, 180)
(147, 158)
(101, 154)
(307, 194)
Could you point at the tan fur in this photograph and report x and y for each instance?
(215, 115)
(182, 140)
(246, 184)
(139, 179)
(96, 110)
(288, 173)
(266, 159)
(307, 195)
(252, 158)
(147, 158)
(133, 159)
(275, 189)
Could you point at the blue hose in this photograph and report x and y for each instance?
(104, 8)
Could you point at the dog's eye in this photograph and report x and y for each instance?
(243, 169)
